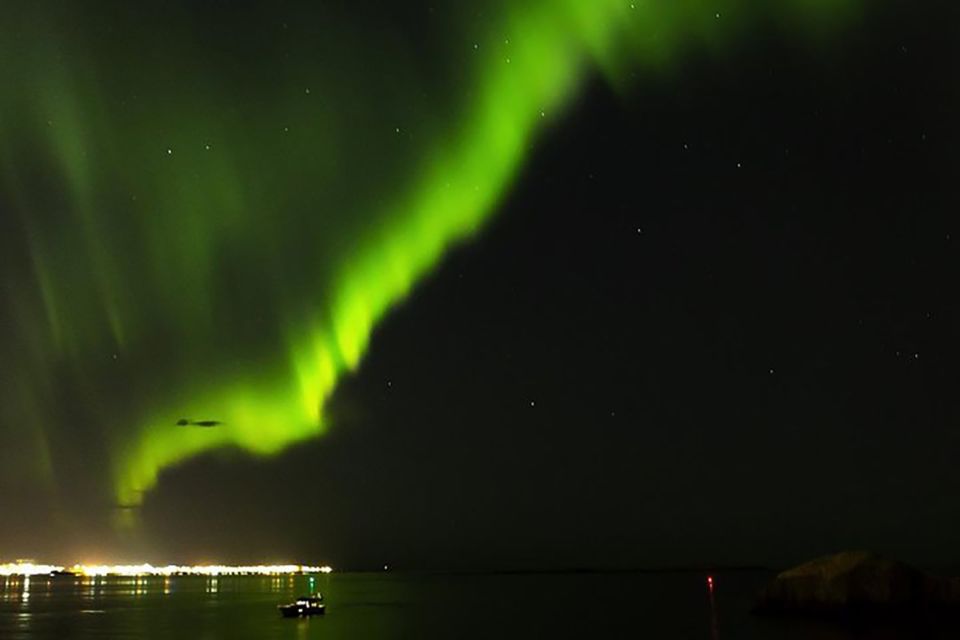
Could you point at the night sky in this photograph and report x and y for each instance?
(485, 285)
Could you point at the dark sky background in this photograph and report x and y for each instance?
(715, 320)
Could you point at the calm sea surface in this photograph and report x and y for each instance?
(397, 605)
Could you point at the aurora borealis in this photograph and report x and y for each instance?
(213, 228)
(210, 210)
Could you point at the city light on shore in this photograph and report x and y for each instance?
(85, 570)
(27, 569)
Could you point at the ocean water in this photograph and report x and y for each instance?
(398, 605)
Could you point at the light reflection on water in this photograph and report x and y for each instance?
(714, 616)
(397, 605)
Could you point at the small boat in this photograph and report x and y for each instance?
(303, 607)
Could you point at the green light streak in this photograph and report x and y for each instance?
(534, 73)
(160, 252)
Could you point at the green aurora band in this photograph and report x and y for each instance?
(223, 254)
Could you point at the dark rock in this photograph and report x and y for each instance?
(856, 581)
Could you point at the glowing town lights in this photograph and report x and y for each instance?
(131, 570)
(27, 569)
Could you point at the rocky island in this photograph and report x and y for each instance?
(854, 582)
